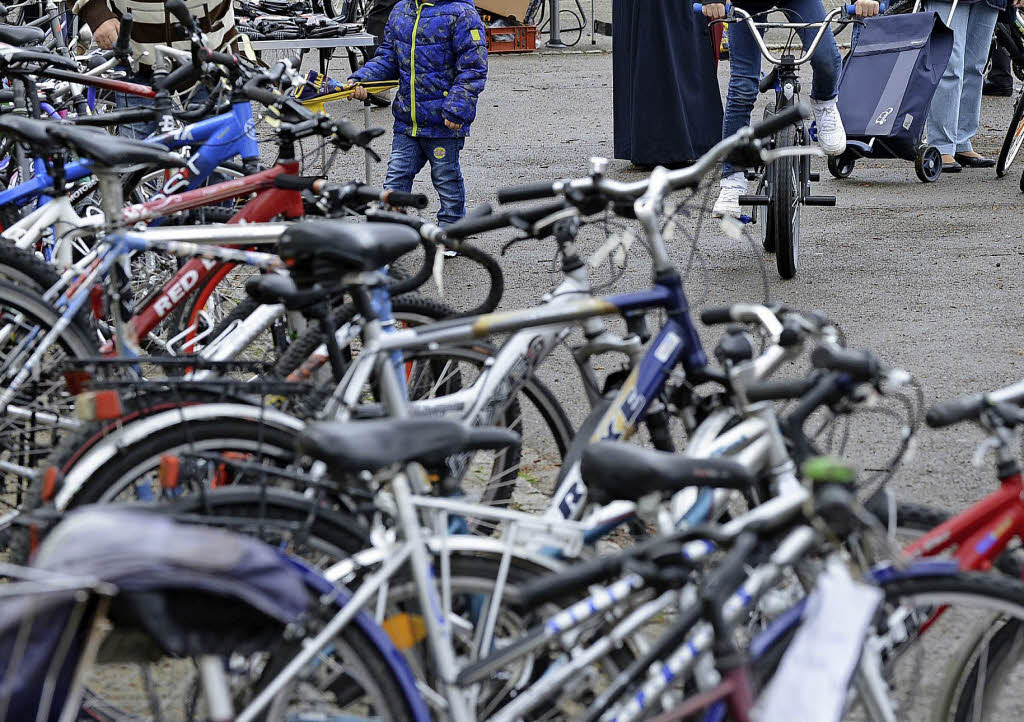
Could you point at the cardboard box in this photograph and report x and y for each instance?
(508, 8)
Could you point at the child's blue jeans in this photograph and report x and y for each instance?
(409, 155)
(745, 66)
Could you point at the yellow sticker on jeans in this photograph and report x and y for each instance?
(475, 34)
(439, 153)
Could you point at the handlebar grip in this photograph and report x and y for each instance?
(479, 224)
(122, 46)
(862, 365)
(947, 413)
(178, 9)
(716, 316)
(227, 59)
(295, 182)
(187, 73)
(577, 577)
(779, 390)
(410, 200)
(528, 192)
(253, 91)
(783, 119)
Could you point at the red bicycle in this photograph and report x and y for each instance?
(988, 534)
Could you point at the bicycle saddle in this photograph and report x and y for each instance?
(109, 151)
(372, 445)
(21, 35)
(615, 471)
(27, 130)
(333, 247)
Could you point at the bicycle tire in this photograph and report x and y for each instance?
(763, 214)
(21, 538)
(784, 216)
(25, 269)
(931, 591)
(47, 392)
(472, 579)
(363, 662)
(1014, 138)
(135, 461)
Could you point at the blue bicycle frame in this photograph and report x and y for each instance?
(221, 138)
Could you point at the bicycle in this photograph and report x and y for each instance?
(784, 186)
(253, 605)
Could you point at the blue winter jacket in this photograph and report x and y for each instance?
(438, 53)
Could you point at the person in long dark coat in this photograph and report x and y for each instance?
(668, 108)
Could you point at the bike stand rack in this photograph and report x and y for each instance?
(555, 35)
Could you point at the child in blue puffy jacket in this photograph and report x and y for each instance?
(438, 53)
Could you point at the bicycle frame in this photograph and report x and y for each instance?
(981, 533)
(222, 137)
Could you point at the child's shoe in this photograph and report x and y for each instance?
(728, 204)
(831, 133)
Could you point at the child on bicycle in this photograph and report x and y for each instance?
(438, 53)
(745, 71)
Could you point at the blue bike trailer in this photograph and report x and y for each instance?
(886, 91)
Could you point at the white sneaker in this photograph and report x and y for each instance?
(831, 133)
(728, 204)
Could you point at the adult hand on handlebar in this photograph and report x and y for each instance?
(106, 34)
(714, 11)
(866, 8)
(359, 93)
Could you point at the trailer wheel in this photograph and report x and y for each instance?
(841, 166)
(928, 164)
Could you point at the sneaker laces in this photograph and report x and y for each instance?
(827, 118)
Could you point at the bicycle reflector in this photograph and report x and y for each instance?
(170, 471)
(99, 406)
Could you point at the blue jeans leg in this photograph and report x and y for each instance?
(446, 174)
(980, 27)
(135, 131)
(745, 68)
(826, 63)
(407, 159)
(744, 75)
(956, 108)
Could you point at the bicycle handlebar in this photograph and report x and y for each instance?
(737, 14)
(947, 413)
(690, 176)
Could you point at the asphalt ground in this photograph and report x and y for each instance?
(926, 276)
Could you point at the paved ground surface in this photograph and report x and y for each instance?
(928, 276)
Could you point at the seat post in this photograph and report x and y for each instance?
(111, 198)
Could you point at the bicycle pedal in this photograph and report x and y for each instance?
(819, 200)
(814, 176)
(754, 200)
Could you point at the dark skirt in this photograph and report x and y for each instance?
(668, 108)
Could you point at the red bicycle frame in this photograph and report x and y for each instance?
(269, 203)
(982, 532)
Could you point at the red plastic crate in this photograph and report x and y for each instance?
(523, 40)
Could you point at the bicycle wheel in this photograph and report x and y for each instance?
(350, 679)
(945, 612)
(922, 615)
(784, 215)
(764, 213)
(42, 410)
(471, 588)
(523, 477)
(1014, 138)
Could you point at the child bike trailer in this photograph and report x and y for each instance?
(886, 90)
